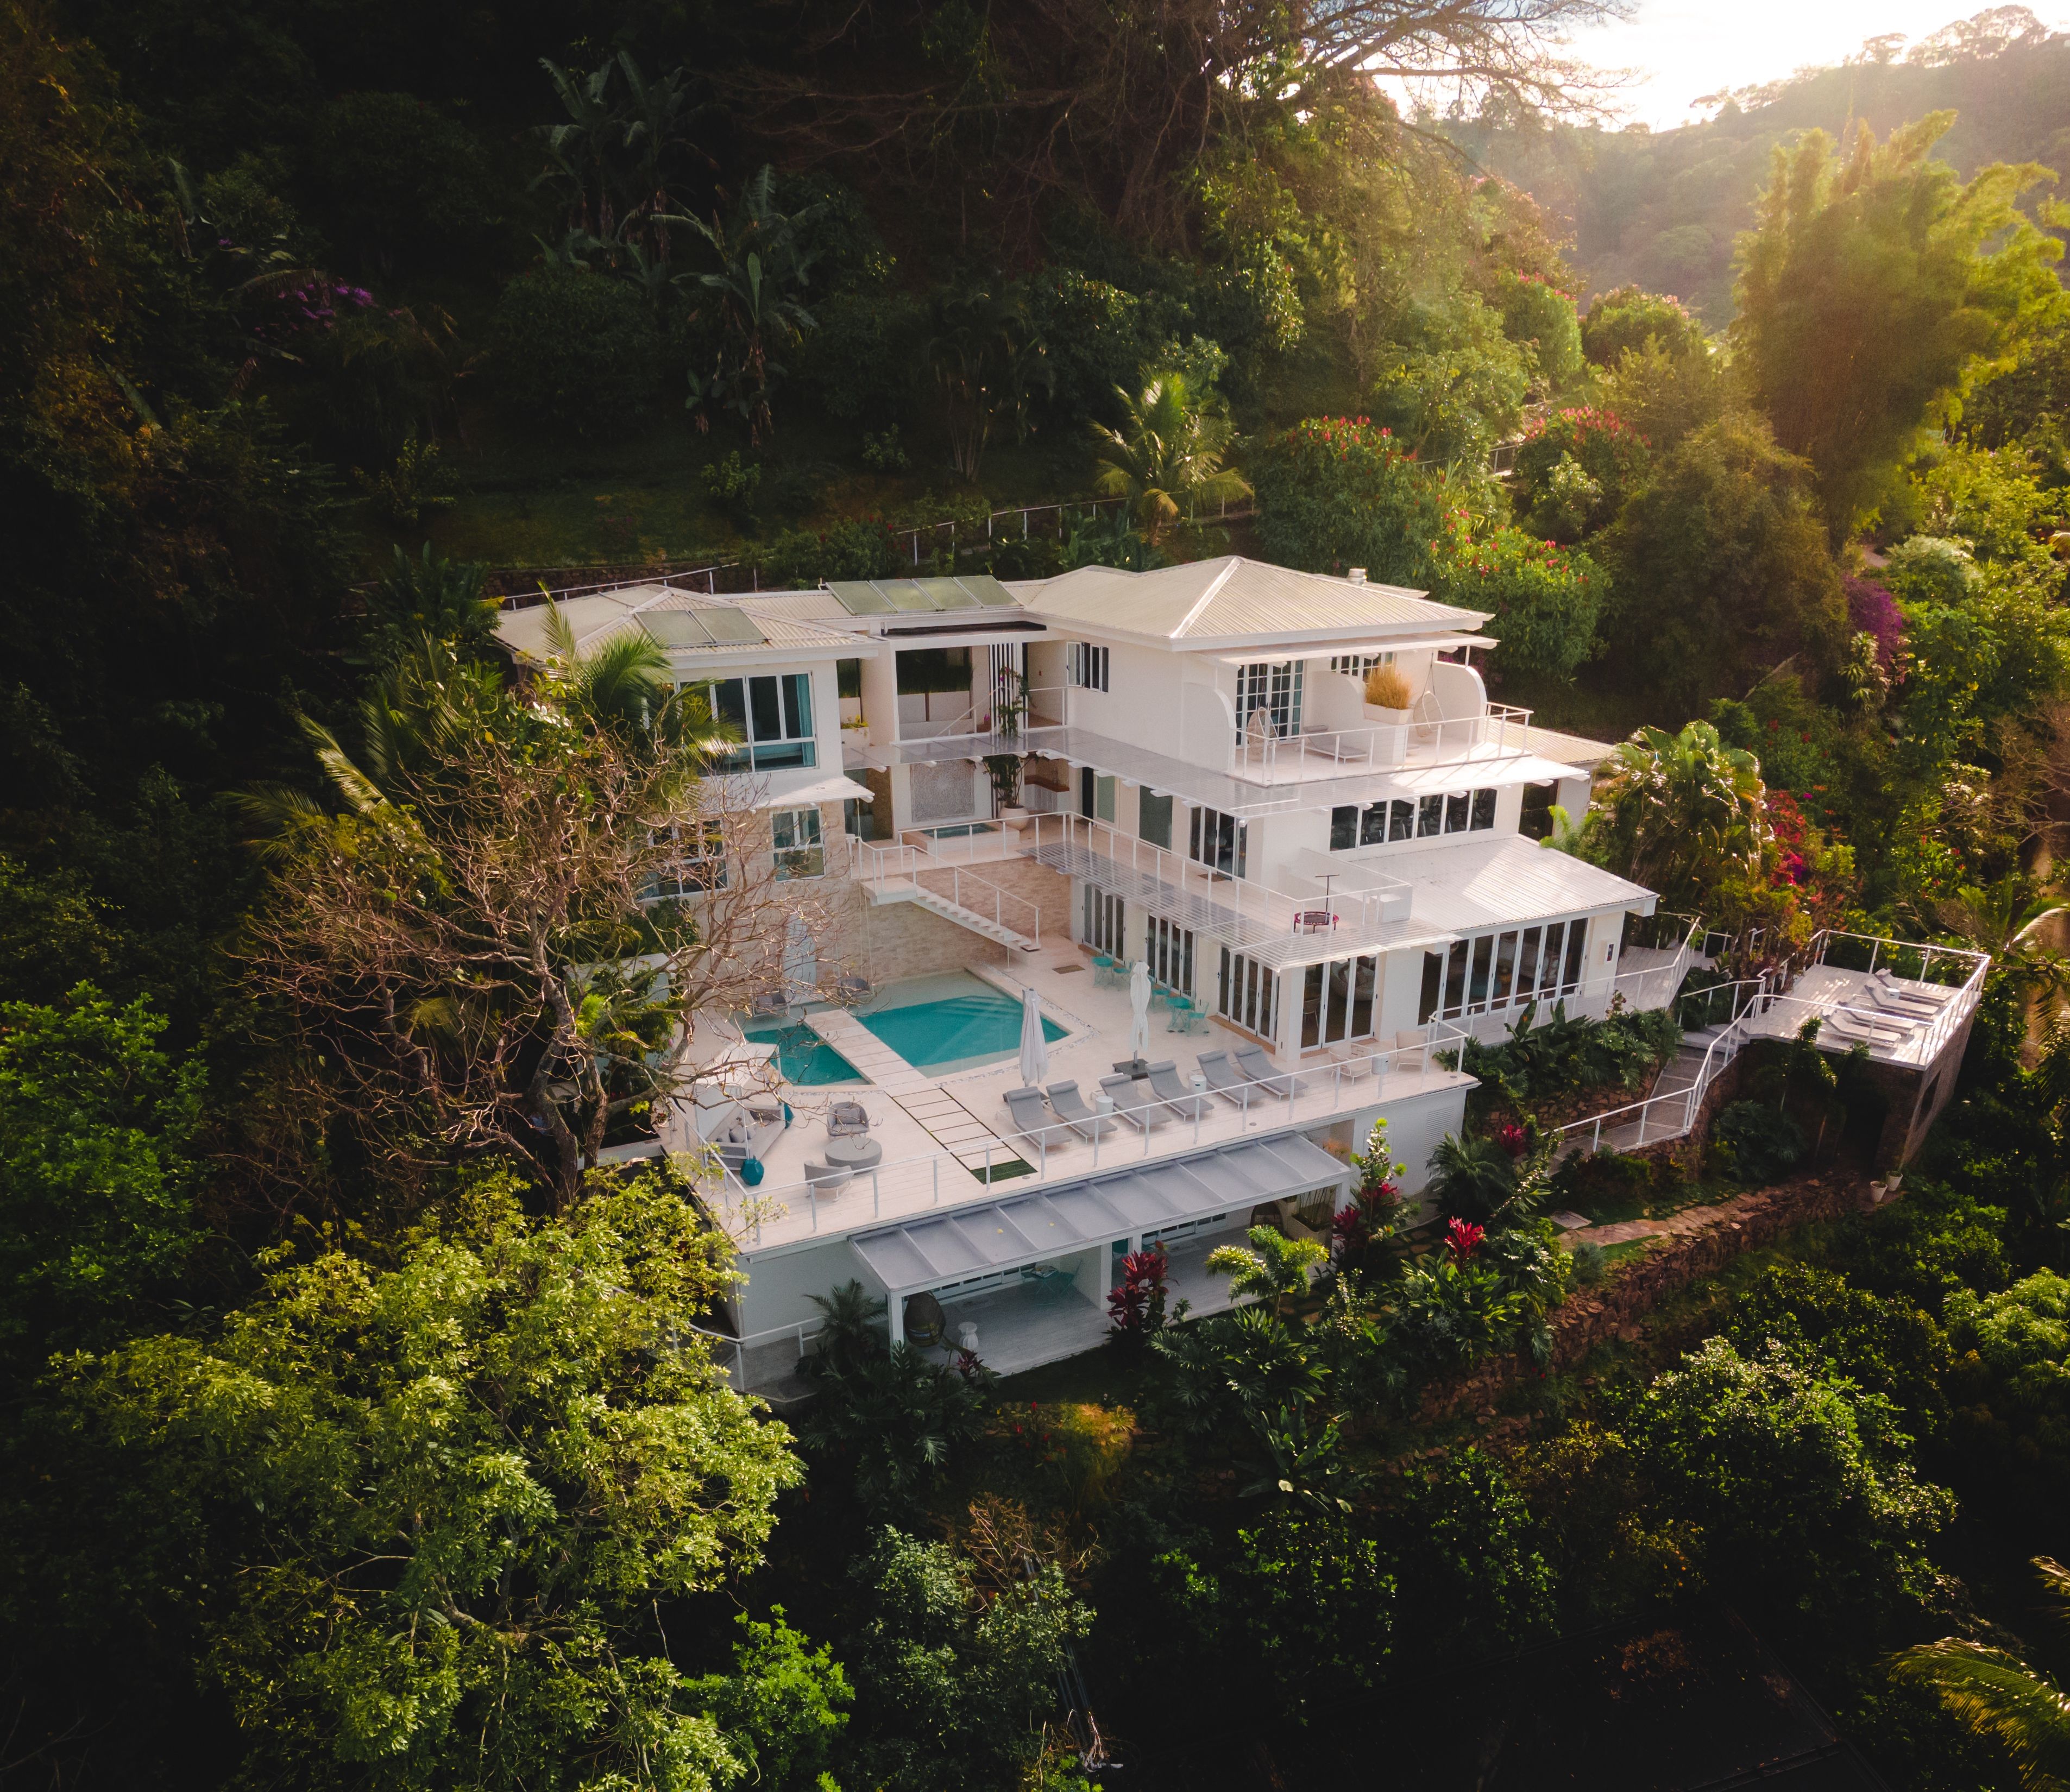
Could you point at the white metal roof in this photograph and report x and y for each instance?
(601, 615)
(1508, 881)
(1047, 1222)
(1575, 749)
(1230, 600)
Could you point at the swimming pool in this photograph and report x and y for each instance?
(953, 1021)
(802, 1056)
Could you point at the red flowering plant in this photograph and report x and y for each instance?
(1512, 1138)
(1463, 1238)
(1361, 1233)
(1608, 460)
(1136, 1307)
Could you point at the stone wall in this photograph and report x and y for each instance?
(1049, 891)
(1594, 1316)
(902, 939)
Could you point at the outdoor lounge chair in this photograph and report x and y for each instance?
(1031, 1119)
(1071, 1109)
(1141, 1110)
(1863, 1031)
(1164, 1083)
(846, 1119)
(1895, 1003)
(1918, 993)
(1224, 1078)
(1252, 1061)
(1410, 1051)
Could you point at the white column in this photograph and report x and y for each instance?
(895, 1311)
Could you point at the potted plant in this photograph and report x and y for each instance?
(1387, 704)
(1003, 769)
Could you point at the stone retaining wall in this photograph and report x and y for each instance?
(1613, 1309)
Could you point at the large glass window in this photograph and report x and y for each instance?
(800, 852)
(1491, 971)
(1273, 689)
(1336, 1000)
(1220, 841)
(1246, 994)
(1104, 922)
(696, 861)
(773, 715)
(1171, 954)
(1153, 819)
(1402, 819)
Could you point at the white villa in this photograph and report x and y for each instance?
(1325, 893)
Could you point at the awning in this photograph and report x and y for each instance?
(1048, 1222)
(1345, 649)
(827, 790)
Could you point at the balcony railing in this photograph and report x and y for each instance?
(1022, 1160)
(1275, 927)
(1263, 757)
(882, 866)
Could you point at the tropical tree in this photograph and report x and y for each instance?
(1872, 281)
(748, 305)
(1678, 813)
(1272, 1267)
(429, 1513)
(1721, 569)
(1995, 1693)
(988, 356)
(616, 157)
(465, 948)
(1167, 458)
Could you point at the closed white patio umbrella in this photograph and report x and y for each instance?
(1138, 1011)
(1034, 1043)
(801, 965)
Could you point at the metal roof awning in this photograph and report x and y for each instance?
(1043, 1223)
(1337, 650)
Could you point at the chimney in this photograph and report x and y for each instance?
(1356, 575)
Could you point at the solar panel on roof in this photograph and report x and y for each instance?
(947, 594)
(676, 628)
(904, 595)
(731, 627)
(987, 590)
(859, 597)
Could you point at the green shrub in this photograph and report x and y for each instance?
(401, 182)
(574, 349)
(2016, 1418)
(1543, 315)
(1591, 1264)
(1612, 458)
(802, 557)
(1626, 316)
(1799, 1480)
(1338, 491)
(1545, 1060)
(1756, 1143)
(1546, 599)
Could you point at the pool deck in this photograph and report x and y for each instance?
(941, 1134)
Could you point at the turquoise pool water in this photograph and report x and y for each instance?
(951, 1022)
(802, 1056)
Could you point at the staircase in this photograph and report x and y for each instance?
(1669, 1110)
(893, 873)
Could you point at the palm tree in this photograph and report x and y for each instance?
(1271, 1268)
(1679, 813)
(1995, 1694)
(1168, 456)
(753, 294)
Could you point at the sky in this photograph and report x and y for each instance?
(1680, 49)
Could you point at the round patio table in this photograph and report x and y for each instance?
(855, 1152)
(1182, 1010)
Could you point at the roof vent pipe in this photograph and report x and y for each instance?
(1356, 575)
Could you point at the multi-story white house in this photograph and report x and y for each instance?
(1325, 893)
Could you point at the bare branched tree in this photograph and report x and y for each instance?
(1118, 103)
(498, 937)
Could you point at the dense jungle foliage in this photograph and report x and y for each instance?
(356, 1432)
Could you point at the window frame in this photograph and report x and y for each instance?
(788, 858)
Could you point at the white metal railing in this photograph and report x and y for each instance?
(1267, 758)
(1234, 910)
(1282, 1099)
(979, 721)
(802, 1330)
(1661, 1117)
(979, 896)
(1654, 986)
(1923, 1038)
